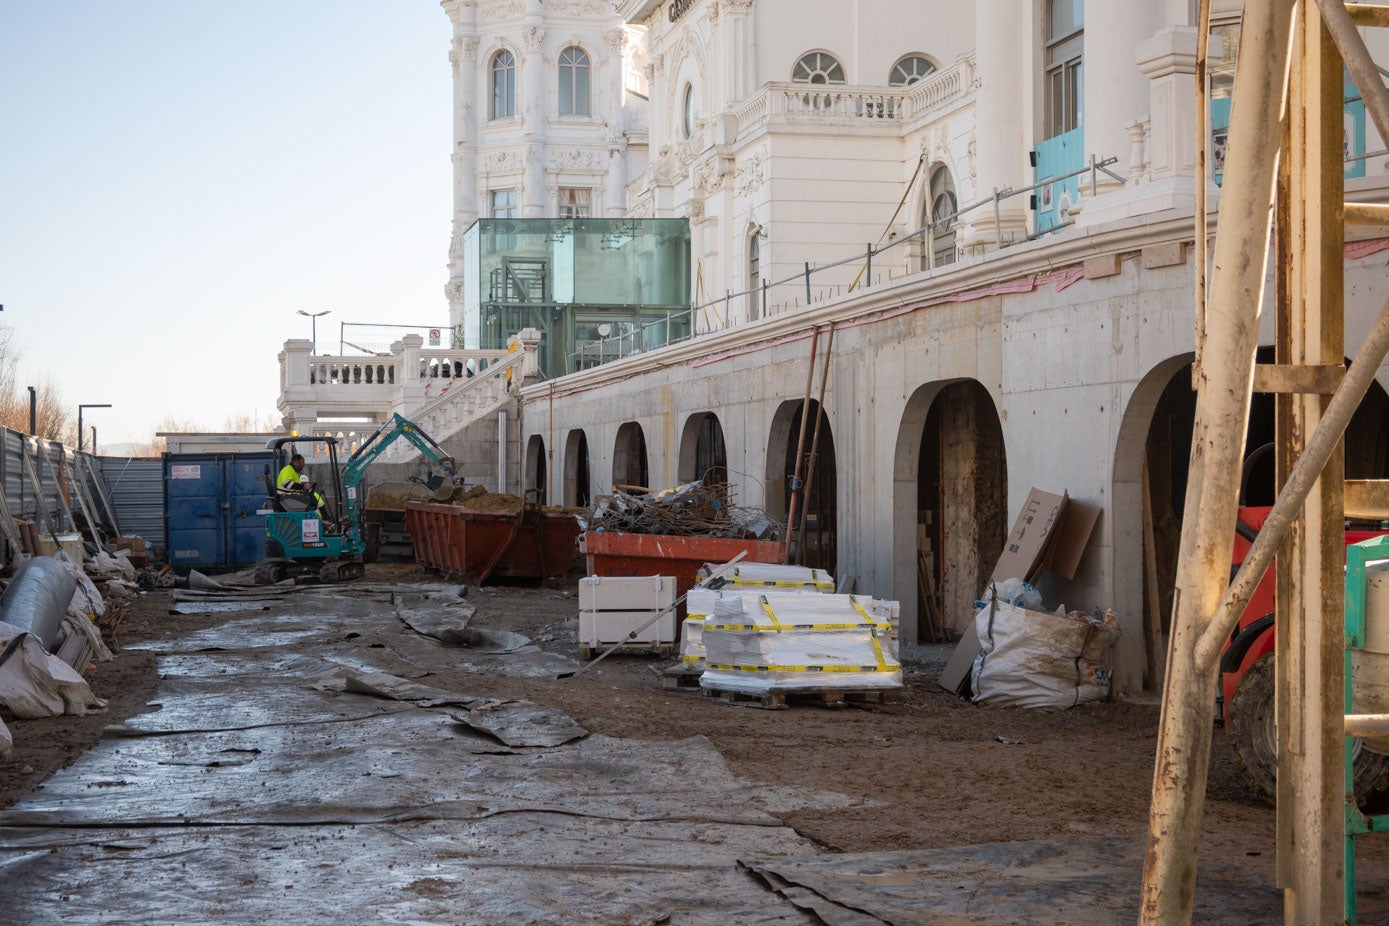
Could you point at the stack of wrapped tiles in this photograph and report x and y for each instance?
(778, 642)
(743, 580)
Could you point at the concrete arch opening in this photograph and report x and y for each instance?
(1157, 430)
(630, 463)
(950, 498)
(820, 508)
(577, 488)
(535, 478)
(703, 454)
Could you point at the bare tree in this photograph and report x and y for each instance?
(253, 423)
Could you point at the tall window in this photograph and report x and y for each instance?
(503, 204)
(687, 111)
(573, 82)
(942, 215)
(503, 85)
(754, 274)
(909, 70)
(1064, 78)
(575, 202)
(818, 68)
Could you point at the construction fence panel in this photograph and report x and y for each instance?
(135, 487)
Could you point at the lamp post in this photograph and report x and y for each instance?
(315, 317)
(79, 422)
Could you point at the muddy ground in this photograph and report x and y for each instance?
(939, 771)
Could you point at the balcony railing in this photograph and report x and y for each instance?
(842, 104)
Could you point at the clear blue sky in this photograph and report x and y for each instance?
(178, 177)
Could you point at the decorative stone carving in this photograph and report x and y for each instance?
(643, 209)
(453, 291)
(614, 40)
(500, 9)
(500, 162)
(942, 140)
(751, 173)
(973, 156)
(696, 211)
(710, 174)
(533, 37)
(580, 7)
(737, 6)
(575, 159)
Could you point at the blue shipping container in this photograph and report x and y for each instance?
(211, 505)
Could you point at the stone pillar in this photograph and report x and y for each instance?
(1115, 91)
(615, 182)
(294, 363)
(1168, 60)
(1001, 130)
(529, 339)
(535, 113)
(463, 61)
(738, 57)
(409, 385)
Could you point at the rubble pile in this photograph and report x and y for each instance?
(694, 509)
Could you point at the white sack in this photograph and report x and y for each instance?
(36, 684)
(78, 623)
(118, 565)
(1033, 659)
(86, 599)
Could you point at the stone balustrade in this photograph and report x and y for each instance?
(317, 390)
(844, 104)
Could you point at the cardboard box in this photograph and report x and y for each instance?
(1051, 535)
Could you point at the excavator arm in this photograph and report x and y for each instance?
(396, 428)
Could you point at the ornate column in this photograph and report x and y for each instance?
(1168, 60)
(463, 62)
(615, 181)
(1115, 91)
(535, 113)
(1002, 143)
(739, 65)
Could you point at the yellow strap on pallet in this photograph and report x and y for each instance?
(691, 658)
(882, 666)
(869, 622)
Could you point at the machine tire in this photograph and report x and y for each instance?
(1255, 739)
(371, 543)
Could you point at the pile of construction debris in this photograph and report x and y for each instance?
(694, 509)
(52, 619)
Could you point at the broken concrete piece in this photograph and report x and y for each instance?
(522, 723)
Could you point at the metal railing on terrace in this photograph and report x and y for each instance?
(773, 297)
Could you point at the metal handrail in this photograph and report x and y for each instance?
(1094, 168)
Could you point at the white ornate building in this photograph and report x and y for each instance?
(1023, 170)
(549, 114)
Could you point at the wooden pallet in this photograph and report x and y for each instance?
(682, 676)
(664, 650)
(826, 697)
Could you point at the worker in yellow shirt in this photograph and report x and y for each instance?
(292, 479)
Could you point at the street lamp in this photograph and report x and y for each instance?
(315, 317)
(79, 422)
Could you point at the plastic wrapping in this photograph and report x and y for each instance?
(1039, 660)
(700, 604)
(34, 683)
(37, 598)
(776, 576)
(788, 642)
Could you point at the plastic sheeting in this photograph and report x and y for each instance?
(1079, 881)
(35, 683)
(1038, 660)
(37, 598)
(790, 642)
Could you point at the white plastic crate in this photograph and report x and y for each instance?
(611, 608)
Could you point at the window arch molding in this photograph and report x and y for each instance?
(940, 206)
(817, 67)
(575, 72)
(911, 68)
(501, 74)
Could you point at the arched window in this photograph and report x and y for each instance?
(754, 274)
(687, 111)
(909, 70)
(503, 85)
(942, 215)
(573, 82)
(818, 68)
